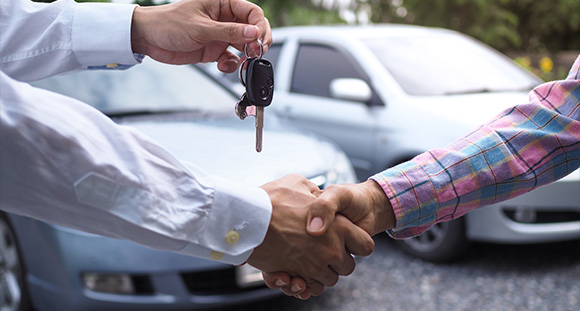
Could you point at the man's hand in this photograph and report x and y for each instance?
(194, 31)
(319, 260)
(365, 204)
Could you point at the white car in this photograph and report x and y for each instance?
(385, 93)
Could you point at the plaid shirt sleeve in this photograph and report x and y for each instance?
(521, 149)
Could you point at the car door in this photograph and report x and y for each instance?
(308, 103)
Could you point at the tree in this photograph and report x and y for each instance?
(507, 25)
(300, 12)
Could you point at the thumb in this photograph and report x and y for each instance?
(234, 33)
(322, 212)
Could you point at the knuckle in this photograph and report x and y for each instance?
(232, 31)
(350, 268)
(332, 280)
(369, 247)
(316, 288)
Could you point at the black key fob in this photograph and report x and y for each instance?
(260, 81)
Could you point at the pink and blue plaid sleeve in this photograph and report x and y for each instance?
(521, 149)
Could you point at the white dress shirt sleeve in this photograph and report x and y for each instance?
(40, 40)
(64, 162)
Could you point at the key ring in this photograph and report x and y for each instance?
(248, 57)
(261, 49)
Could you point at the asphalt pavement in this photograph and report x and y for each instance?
(489, 277)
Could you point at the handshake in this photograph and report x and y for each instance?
(313, 234)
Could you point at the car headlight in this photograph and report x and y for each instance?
(341, 171)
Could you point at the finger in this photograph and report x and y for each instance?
(250, 13)
(228, 62)
(315, 288)
(312, 187)
(290, 286)
(297, 286)
(254, 47)
(326, 276)
(357, 241)
(345, 266)
(276, 280)
(267, 35)
(305, 295)
(321, 212)
(233, 33)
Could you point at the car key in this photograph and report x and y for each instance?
(259, 84)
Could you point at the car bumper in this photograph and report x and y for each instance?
(58, 258)
(548, 214)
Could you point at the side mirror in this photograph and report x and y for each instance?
(350, 89)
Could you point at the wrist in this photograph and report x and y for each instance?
(380, 206)
(138, 22)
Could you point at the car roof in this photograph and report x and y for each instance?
(358, 31)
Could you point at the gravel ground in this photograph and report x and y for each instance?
(489, 277)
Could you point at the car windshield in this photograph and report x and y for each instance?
(445, 63)
(147, 88)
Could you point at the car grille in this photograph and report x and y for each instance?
(142, 284)
(214, 282)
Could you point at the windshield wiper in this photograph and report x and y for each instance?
(149, 112)
(488, 90)
(475, 91)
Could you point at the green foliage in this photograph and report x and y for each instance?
(507, 25)
(518, 27)
(548, 25)
(298, 12)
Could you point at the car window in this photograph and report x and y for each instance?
(273, 53)
(150, 86)
(317, 65)
(443, 63)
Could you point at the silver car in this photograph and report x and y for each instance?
(386, 93)
(49, 268)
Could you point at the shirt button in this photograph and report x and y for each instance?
(216, 255)
(232, 237)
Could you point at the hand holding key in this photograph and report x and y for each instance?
(257, 76)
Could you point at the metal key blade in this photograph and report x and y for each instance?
(259, 127)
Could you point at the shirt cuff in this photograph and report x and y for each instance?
(412, 198)
(238, 220)
(101, 34)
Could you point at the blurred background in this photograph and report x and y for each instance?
(542, 36)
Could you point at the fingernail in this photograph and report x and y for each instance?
(296, 288)
(280, 283)
(250, 31)
(316, 224)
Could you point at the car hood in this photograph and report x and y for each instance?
(226, 148)
(469, 110)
